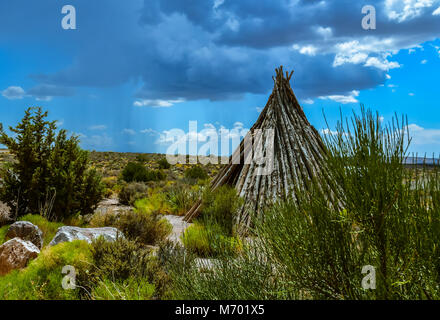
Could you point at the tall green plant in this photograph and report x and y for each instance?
(50, 174)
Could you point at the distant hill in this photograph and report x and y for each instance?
(421, 160)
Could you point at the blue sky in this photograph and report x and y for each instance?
(133, 70)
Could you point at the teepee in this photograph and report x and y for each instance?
(281, 153)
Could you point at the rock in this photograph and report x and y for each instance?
(15, 254)
(68, 234)
(26, 231)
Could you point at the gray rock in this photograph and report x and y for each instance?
(68, 234)
(15, 254)
(26, 231)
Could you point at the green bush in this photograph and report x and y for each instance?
(51, 174)
(125, 266)
(42, 278)
(208, 241)
(182, 197)
(195, 239)
(196, 173)
(156, 202)
(163, 164)
(132, 192)
(137, 172)
(118, 260)
(220, 207)
(142, 158)
(146, 228)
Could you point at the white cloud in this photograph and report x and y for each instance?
(324, 32)
(383, 64)
(402, 10)
(344, 99)
(436, 12)
(308, 101)
(411, 94)
(424, 61)
(156, 103)
(308, 50)
(98, 127)
(130, 132)
(14, 93)
(353, 52)
(150, 132)
(329, 132)
(423, 136)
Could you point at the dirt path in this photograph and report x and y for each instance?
(179, 226)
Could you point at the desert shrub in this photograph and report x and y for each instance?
(51, 174)
(42, 278)
(132, 192)
(246, 277)
(142, 158)
(127, 266)
(118, 260)
(137, 172)
(134, 171)
(146, 228)
(110, 185)
(195, 239)
(220, 208)
(155, 202)
(105, 218)
(110, 182)
(163, 164)
(107, 193)
(196, 173)
(208, 241)
(48, 228)
(182, 197)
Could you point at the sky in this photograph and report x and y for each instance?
(132, 71)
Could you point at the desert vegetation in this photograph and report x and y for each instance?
(366, 208)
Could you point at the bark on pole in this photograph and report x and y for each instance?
(297, 154)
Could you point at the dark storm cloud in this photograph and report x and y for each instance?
(206, 49)
(45, 91)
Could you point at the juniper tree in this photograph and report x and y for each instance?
(50, 174)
